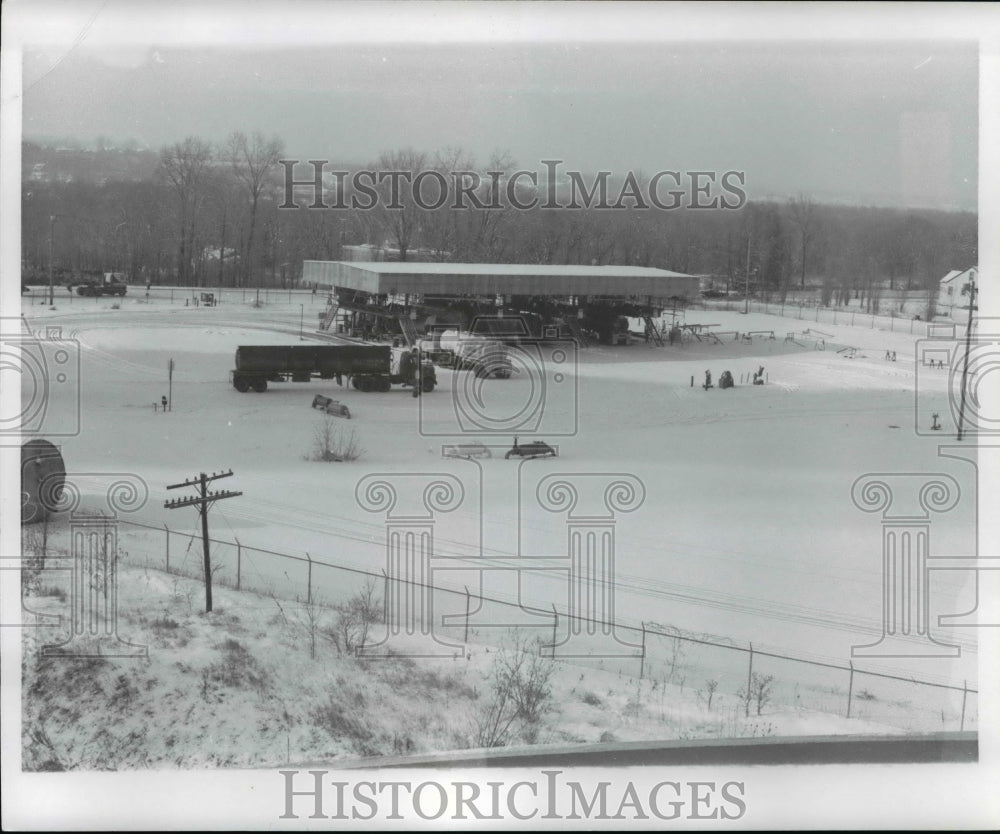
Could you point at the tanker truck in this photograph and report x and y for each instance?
(368, 367)
(465, 352)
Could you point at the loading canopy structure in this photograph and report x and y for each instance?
(644, 285)
(373, 298)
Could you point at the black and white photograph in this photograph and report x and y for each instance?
(441, 415)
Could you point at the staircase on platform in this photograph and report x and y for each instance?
(653, 332)
(328, 319)
(409, 330)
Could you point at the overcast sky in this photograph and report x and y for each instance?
(878, 122)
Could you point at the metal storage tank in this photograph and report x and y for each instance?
(43, 474)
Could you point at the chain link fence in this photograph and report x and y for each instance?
(735, 681)
(853, 316)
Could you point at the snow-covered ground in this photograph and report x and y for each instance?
(241, 687)
(747, 532)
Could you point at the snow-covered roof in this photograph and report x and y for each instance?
(959, 273)
(507, 279)
(538, 270)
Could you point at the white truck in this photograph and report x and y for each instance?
(462, 351)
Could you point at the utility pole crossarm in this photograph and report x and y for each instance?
(203, 502)
(198, 500)
(196, 481)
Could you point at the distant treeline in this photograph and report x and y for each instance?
(200, 214)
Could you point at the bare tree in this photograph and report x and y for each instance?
(486, 229)
(710, 686)
(310, 618)
(444, 230)
(804, 215)
(252, 159)
(355, 619)
(397, 212)
(775, 268)
(223, 203)
(183, 166)
(520, 695)
(316, 235)
(758, 691)
(761, 687)
(331, 443)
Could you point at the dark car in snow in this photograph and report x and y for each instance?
(532, 449)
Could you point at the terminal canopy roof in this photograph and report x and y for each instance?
(450, 279)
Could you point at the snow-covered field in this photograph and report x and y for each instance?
(747, 532)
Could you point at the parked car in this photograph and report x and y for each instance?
(534, 449)
(475, 449)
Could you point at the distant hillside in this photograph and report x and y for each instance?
(56, 163)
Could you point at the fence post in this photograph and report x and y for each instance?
(239, 560)
(749, 679)
(555, 627)
(167, 531)
(642, 657)
(309, 581)
(385, 596)
(465, 638)
(850, 689)
(965, 692)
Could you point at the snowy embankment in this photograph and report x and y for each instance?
(260, 682)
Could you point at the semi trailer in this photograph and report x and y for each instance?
(366, 367)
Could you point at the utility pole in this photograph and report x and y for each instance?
(746, 303)
(52, 226)
(971, 287)
(203, 501)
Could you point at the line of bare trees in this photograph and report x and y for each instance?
(219, 183)
(209, 215)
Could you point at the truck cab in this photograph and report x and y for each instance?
(108, 283)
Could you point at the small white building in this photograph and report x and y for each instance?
(950, 296)
(367, 252)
